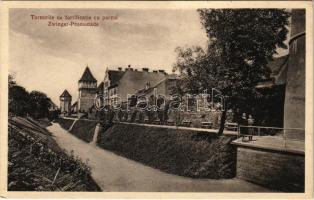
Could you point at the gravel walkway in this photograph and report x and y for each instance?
(116, 173)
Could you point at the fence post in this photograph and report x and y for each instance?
(284, 137)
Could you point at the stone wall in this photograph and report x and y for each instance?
(278, 170)
(86, 100)
(294, 108)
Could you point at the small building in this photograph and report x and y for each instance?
(65, 103)
(87, 86)
(52, 106)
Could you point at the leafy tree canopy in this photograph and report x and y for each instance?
(21, 102)
(246, 40)
(240, 44)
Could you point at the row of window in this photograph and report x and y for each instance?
(112, 92)
(87, 85)
(112, 101)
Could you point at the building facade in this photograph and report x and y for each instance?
(120, 84)
(110, 86)
(87, 86)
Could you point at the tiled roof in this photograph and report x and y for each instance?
(144, 90)
(139, 79)
(65, 94)
(87, 76)
(115, 76)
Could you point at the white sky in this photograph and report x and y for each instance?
(51, 59)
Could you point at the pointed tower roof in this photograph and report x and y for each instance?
(87, 76)
(65, 94)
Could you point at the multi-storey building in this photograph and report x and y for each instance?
(121, 84)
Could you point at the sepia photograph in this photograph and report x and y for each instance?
(193, 100)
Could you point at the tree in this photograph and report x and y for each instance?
(196, 70)
(11, 81)
(21, 102)
(18, 100)
(241, 42)
(39, 104)
(246, 39)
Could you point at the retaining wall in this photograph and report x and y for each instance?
(283, 171)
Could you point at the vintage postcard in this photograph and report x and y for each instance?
(157, 100)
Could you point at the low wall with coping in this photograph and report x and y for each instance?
(276, 169)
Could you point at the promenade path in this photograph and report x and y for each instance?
(116, 173)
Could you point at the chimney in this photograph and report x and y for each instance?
(155, 71)
(145, 69)
(128, 68)
(161, 71)
(120, 68)
(147, 85)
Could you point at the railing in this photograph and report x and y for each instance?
(291, 134)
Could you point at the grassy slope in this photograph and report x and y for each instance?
(82, 129)
(182, 152)
(65, 123)
(34, 159)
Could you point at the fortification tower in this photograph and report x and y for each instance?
(65, 102)
(294, 108)
(87, 86)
